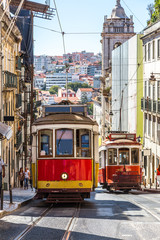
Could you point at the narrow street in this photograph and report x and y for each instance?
(105, 216)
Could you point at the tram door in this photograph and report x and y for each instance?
(105, 162)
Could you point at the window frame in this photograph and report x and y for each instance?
(138, 156)
(66, 156)
(115, 164)
(149, 51)
(39, 143)
(158, 48)
(80, 143)
(124, 148)
(153, 50)
(145, 53)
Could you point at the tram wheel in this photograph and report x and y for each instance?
(126, 191)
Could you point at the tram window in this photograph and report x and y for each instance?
(83, 143)
(100, 159)
(112, 156)
(46, 143)
(64, 142)
(135, 155)
(123, 156)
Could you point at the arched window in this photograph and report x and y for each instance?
(117, 44)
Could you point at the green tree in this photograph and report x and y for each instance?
(90, 109)
(154, 11)
(74, 86)
(54, 89)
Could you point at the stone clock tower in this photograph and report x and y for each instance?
(116, 30)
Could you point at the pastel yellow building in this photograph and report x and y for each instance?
(11, 98)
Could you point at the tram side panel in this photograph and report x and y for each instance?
(95, 158)
(78, 174)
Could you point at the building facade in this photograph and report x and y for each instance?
(11, 88)
(57, 79)
(150, 103)
(117, 29)
(127, 86)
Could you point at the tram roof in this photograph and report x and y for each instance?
(120, 142)
(67, 118)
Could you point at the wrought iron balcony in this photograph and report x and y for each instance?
(18, 100)
(18, 139)
(150, 105)
(10, 80)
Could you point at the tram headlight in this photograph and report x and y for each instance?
(64, 176)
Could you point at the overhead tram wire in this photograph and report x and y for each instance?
(133, 14)
(63, 33)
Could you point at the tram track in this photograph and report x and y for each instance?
(143, 207)
(34, 223)
(72, 223)
(69, 227)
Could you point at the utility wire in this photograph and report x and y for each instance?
(133, 14)
(62, 32)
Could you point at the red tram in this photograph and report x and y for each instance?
(119, 161)
(65, 153)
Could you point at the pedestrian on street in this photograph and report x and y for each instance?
(26, 178)
(2, 172)
(21, 177)
(158, 175)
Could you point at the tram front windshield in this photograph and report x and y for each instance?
(123, 156)
(64, 142)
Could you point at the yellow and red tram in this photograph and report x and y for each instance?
(119, 162)
(65, 153)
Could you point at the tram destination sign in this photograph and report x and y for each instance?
(122, 136)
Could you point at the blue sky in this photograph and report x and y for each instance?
(85, 16)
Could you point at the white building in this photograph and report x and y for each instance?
(83, 69)
(57, 79)
(39, 82)
(43, 63)
(151, 102)
(96, 81)
(84, 92)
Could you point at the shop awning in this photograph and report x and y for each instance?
(5, 130)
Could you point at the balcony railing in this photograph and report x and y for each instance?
(150, 105)
(10, 80)
(18, 139)
(18, 100)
